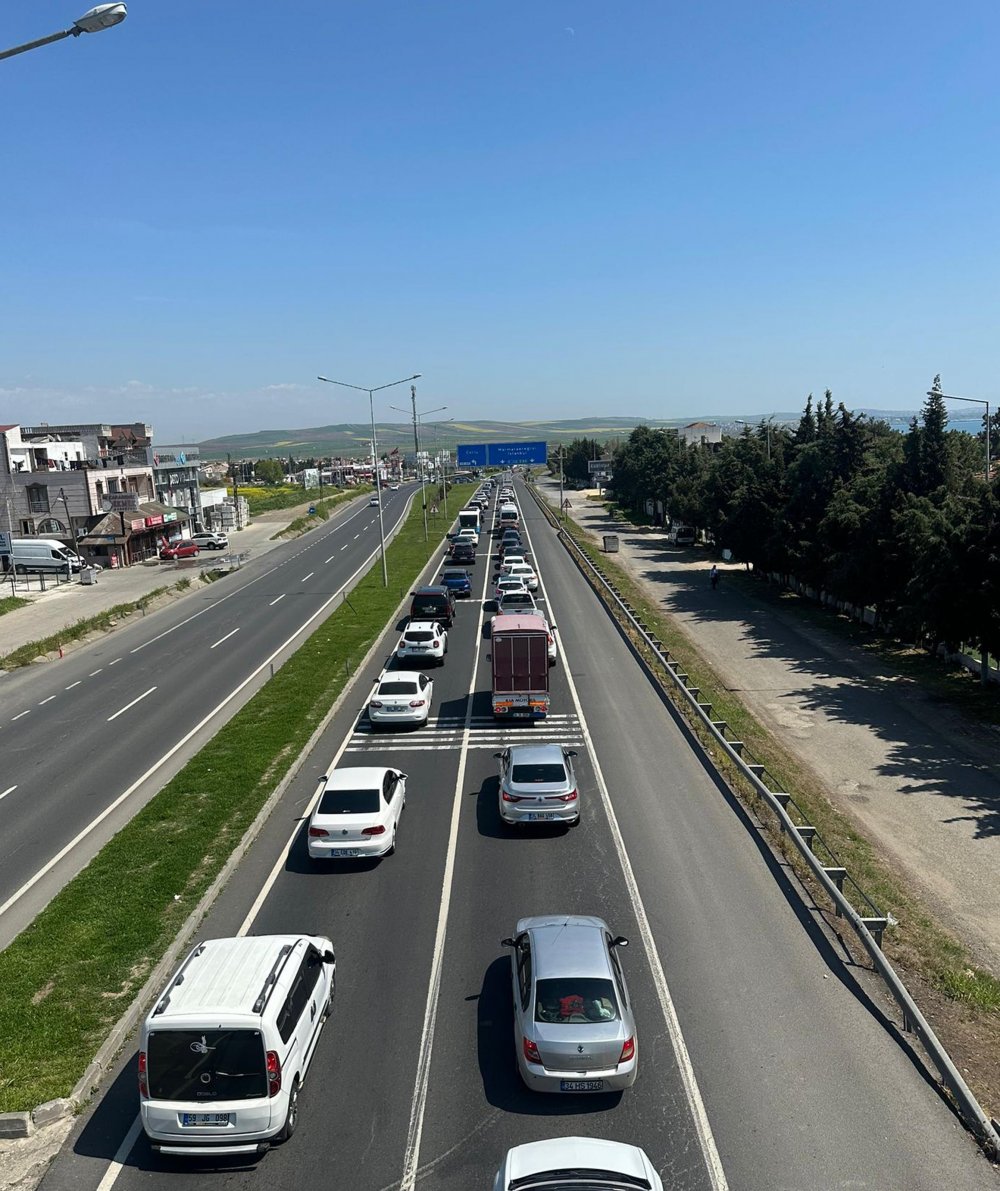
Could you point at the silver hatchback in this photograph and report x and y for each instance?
(538, 784)
(573, 1024)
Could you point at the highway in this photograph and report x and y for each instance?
(764, 1061)
(85, 742)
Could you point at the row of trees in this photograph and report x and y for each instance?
(904, 523)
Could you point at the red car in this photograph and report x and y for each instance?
(179, 550)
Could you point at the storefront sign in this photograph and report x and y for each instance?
(157, 520)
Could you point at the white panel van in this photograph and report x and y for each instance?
(42, 554)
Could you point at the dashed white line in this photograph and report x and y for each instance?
(97, 671)
(305, 577)
(330, 559)
(225, 638)
(115, 662)
(22, 713)
(132, 704)
(356, 536)
(345, 545)
(48, 700)
(9, 790)
(273, 602)
(73, 684)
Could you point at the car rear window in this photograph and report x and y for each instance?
(575, 1000)
(531, 774)
(206, 1065)
(455, 575)
(429, 606)
(419, 635)
(398, 688)
(348, 802)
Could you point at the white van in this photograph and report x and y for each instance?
(42, 554)
(508, 516)
(226, 1048)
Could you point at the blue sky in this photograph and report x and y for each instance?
(549, 209)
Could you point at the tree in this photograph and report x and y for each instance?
(269, 471)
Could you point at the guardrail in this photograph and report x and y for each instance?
(805, 838)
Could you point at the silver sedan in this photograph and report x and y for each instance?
(573, 1024)
(538, 784)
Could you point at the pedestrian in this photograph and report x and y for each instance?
(713, 576)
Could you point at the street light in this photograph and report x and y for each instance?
(378, 486)
(104, 16)
(740, 422)
(978, 401)
(416, 443)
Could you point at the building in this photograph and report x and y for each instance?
(176, 479)
(701, 434)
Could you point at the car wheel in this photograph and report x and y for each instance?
(333, 993)
(292, 1119)
(390, 851)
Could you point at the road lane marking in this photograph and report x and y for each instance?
(331, 558)
(273, 602)
(73, 684)
(20, 714)
(122, 710)
(118, 1161)
(48, 700)
(706, 1139)
(97, 671)
(345, 545)
(9, 790)
(356, 536)
(225, 638)
(305, 577)
(115, 662)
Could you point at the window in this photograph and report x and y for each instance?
(575, 1000)
(300, 993)
(206, 1065)
(389, 786)
(38, 498)
(349, 802)
(542, 774)
(524, 969)
(616, 967)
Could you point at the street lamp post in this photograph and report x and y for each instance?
(104, 16)
(767, 424)
(416, 443)
(378, 486)
(978, 401)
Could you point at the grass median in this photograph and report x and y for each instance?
(70, 975)
(323, 510)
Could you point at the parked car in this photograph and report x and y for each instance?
(401, 699)
(683, 535)
(464, 552)
(183, 549)
(423, 640)
(538, 785)
(573, 1024)
(457, 580)
(576, 1164)
(433, 603)
(210, 541)
(357, 814)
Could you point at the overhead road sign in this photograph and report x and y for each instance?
(501, 454)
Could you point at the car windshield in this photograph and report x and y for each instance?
(348, 802)
(206, 1065)
(575, 1000)
(398, 688)
(525, 775)
(419, 635)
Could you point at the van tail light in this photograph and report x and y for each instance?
(143, 1080)
(273, 1073)
(628, 1050)
(374, 831)
(570, 797)
(531, 1051)
(375, 703)
(417, 702)
(317, 832)
(511, 797)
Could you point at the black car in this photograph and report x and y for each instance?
(433, 603)
(463, 552)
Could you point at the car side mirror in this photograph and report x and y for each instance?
(571, 752)
(329, 957)
(621, 941)
(507, 943)
(498, 756)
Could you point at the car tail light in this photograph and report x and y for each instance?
(374, 831)
(511, 797)
(143, 1081)
(317, 832)
(531, 1051)
(628, 1050)
(375, 703)
(417, 702)
(436, 642)
(570, 797)
(273, 1073)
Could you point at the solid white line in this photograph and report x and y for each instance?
(48, 700)
(706, 1139)
(281, 597)
(20, 714)
(118, 1161)
(73, 684)
(132, 704)
(305, 577)
(226, 637)
(9, 790)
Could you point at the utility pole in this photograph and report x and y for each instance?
(562, 514)
(416, 450)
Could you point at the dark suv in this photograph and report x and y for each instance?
(433, 603)
(463, 552)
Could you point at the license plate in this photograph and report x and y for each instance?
(581, 1085)
(536, 816)
(205, 1118)
(347, 852)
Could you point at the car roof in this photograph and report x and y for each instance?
(566, 945)
(355, 776)
(536, 754)
(399, 676)
(421, 624)
(431, 590)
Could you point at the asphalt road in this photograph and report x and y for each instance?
(763, 1062)
(113, 721)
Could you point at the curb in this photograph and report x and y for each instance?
(23, 1124)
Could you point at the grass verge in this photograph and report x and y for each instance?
(24, 655)
(961, 1001)
(70, 975)
(323, 510)
(11, 603)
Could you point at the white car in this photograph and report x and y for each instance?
(401, 698)
(576, 1164)
(373, 502)
(522, 571)
(423, 640)
(513, 558)
(210, 541)
(507, 583)
(357, 814)
(517, 601)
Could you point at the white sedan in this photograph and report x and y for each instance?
(357, 814)
(587, 1163)
(524, 572)
(507, 583)
(401, 699)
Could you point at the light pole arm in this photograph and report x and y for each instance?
(33, 45)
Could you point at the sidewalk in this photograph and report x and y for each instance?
(61, 606)
(921, 780)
